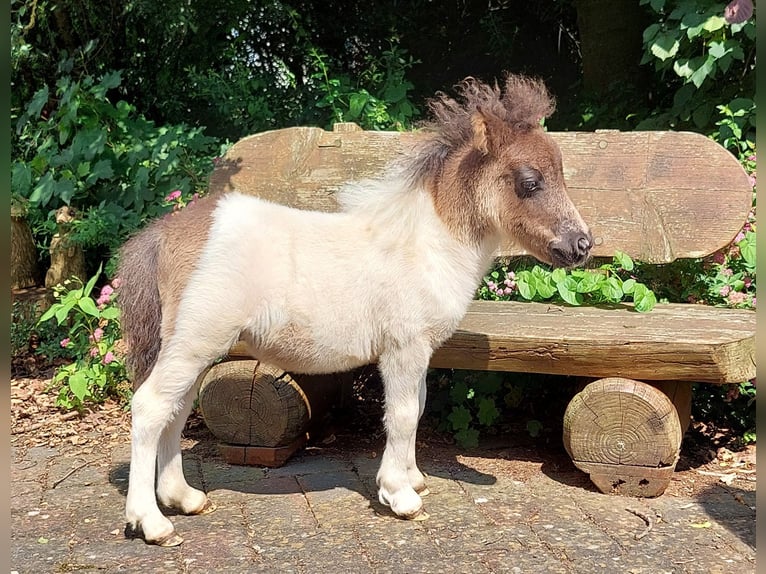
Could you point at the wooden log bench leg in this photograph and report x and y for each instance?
(626, 434)
(261, 414)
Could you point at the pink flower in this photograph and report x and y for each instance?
(94, 352)
(64, 342)
(108, 358)
(719, 258)
(740, 236)
(725, 290)
(751, 157)
(508, 290)
(727, 272)
(117, 282)
(752, 179)
(106, 290)
(97, 334)
(747, 281)
(738, 11)
(173, 195)
(736, 297)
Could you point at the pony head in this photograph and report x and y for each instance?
(492, 168)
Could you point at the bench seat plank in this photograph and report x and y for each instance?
(672, 342)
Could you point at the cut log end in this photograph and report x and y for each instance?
(626, 434)
(252, 403)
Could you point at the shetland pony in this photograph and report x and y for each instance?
(384, 280)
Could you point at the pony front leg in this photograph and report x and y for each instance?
(417, 479)
(402, 371)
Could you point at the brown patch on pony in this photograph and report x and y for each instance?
(154, 268)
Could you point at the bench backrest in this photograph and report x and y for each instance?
(657, 196)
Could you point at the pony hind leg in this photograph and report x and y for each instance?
(173, 491)
(160, 407)
(403, 373)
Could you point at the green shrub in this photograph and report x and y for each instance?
(609, 283)
(75, 146)
(97, 370)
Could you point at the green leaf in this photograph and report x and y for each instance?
(545, 287)
(488, 412)
(611, 289)
(628, 285)
(21, 178)
(64, 189)
(356, 104)
(665, 45)
(558, 275)
(78, 384)
(460, 417)
(525, 287)
(91, 282)
(459, 392)
(623, 260)
(589, 282)
(467, 438)
(101, 170)
(110, 313)
(49, 313)
(643, 298)
(569, 295)
(89, 306)
(534, 427)
(35, 107)
(43, 191)
(747, 248)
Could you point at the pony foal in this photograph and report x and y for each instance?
(385, 280)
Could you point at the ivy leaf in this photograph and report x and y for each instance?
(623, 260)
(568, 294)
(665, 45)
(101, 170)
(643, 298)
(488, 412)
(459, 392)
(460, 417)
(534, 427)
(43, 191)
(467, 438)
(524, 285)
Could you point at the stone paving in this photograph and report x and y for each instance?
(319, 513)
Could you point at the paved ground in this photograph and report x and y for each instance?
(507, 509)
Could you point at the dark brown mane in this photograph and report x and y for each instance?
(519, 105)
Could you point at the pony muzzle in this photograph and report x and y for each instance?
(571, 249)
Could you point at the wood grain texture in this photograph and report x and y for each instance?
(248, 402)
(672, 342)
(626, 434)
(657, 196)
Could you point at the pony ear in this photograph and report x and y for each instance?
(483, 124)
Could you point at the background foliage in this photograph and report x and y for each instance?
(120, 109)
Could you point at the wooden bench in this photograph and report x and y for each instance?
(657, 196)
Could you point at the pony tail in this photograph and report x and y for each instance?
(138, 297)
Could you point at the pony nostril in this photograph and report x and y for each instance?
(584, 243)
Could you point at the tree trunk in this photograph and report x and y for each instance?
(611, 36)
(24, 269)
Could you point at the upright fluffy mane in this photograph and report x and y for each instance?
(520, 104)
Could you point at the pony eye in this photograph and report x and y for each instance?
(529, 183)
